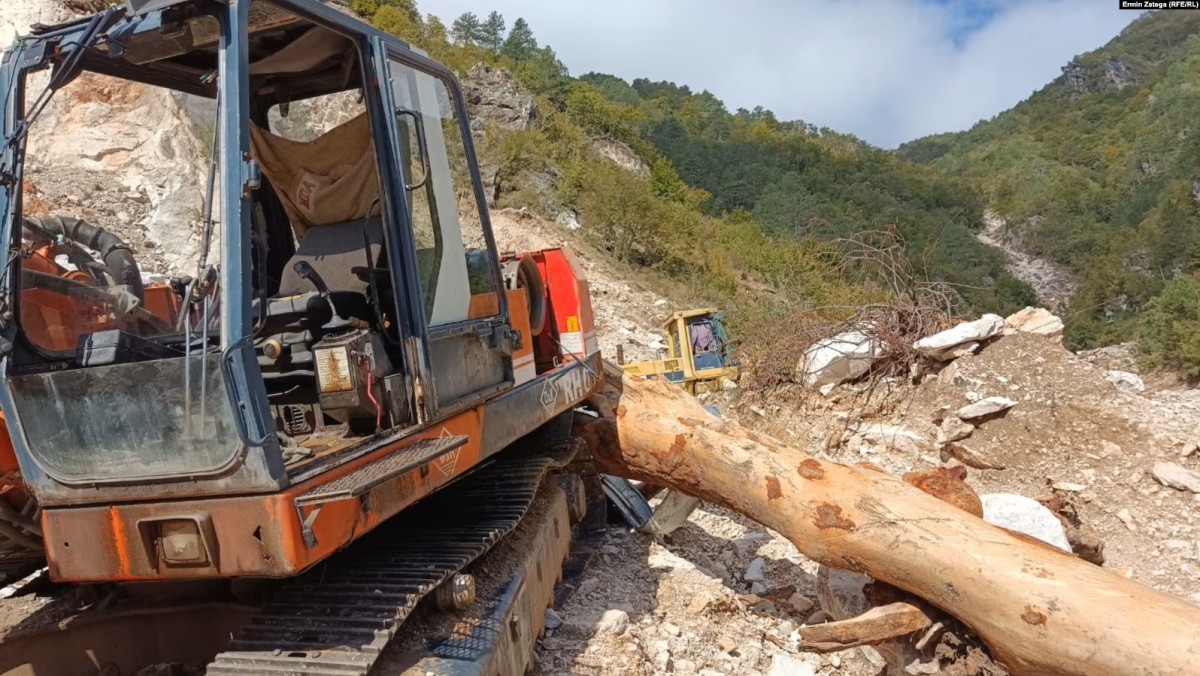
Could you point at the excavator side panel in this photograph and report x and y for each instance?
(270, 535)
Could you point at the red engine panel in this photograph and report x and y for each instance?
(570, 326)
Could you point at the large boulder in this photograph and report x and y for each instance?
(843, 357)
(1035, 320)
(944, 346)
(1025, 515)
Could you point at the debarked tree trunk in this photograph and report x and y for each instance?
(1038, 609)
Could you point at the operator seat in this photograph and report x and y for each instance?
(296, 315)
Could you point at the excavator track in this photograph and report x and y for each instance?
(21, 549)
(336, 619)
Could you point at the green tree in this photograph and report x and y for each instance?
(544, 74)
(665, 181)
(613, 88)
(1170, 331)
(491, 33)
(589, 109)
(466, 29)
(400, 20)
(520, 46)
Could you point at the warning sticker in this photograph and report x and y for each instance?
(572, 342)
(333, 370)
(572, 323)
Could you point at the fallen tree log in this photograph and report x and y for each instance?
(1038, 609)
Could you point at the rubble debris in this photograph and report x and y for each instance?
(985, 407)
(25, 583)
(553, 620)
(1126, 381)
(941, 346)
(1068, 487)
(956, 450)
(1175, 476)
(1025, 515)
(783, 664)
(953, 429)
(698, 605)
(893, 437)
(838, 359)
(613, 621)
(800, 604)
(1035, 320)
(755, 571)
(1126, 518)
(588, 586)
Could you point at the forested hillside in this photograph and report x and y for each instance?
(1100, 171)
(799, 181)
(717, 201)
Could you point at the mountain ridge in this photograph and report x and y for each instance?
(1099, 171)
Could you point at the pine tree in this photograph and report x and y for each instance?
(491, 33)
(520, 45)
(466, 29)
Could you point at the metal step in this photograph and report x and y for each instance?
(337, 618)
(363, 479)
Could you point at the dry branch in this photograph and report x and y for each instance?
(875, 626)
(1039, 610)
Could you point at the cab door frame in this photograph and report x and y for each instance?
(423, 341)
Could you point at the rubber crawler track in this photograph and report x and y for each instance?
(336, 619)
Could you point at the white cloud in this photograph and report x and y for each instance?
(886, 70)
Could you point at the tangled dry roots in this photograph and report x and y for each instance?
(911, 308)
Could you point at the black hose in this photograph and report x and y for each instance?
(117, 256)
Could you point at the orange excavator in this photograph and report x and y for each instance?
(354, 344)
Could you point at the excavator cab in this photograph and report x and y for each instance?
(348, 338)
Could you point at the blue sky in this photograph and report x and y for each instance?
(967, 16)
(886, 70)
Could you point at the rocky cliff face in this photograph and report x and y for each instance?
(1078, 79)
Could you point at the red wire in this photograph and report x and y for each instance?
(378, 411)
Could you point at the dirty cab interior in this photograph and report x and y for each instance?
(322, 254)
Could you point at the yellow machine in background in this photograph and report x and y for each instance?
(701, 356)
(701, 353)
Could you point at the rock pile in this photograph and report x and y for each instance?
(851, 355)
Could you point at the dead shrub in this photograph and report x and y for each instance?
(908, 309)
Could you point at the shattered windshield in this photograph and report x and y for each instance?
(113, 184)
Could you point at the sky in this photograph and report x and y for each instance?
(887, 71)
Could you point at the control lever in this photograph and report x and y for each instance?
(306, 271)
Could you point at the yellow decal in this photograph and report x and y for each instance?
(572, 323)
